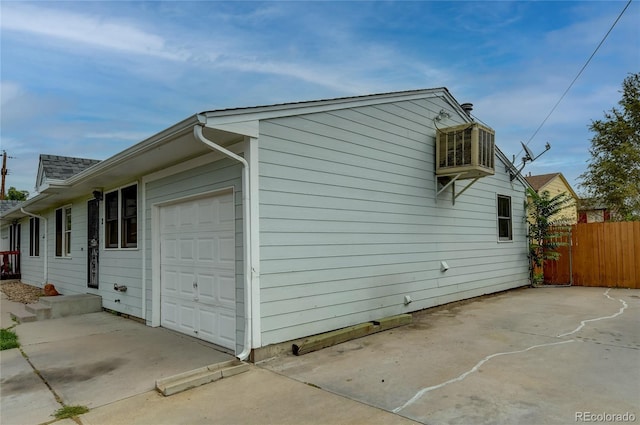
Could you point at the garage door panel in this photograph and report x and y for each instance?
(227, 248)
(207, 249)
(186, 250)
(227, 290)
(170, 280)
(187, 216)
(169, 312)
(186, 284)
(169, 248)
(227, 327)
(197, 244)
(226, 212)
(207, 288)
(208, 320)
(187, 318)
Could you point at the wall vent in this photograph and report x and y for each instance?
(466, 150)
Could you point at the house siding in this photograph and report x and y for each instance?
(568, 215)
(349, 223)
(31, 268)
(213, 176)
(69, 274)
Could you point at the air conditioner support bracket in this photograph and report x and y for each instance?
(452, 183)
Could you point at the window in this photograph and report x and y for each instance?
(63, 231)
(121, 218)
(34, 237)
(504, 218)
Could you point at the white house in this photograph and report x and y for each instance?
(254, 226)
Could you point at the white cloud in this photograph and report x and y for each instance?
(81, 29)
(9, 91)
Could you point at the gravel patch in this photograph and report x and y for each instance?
(21, 292)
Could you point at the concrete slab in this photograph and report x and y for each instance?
(99, 358)
(24, 398)
(528, 356)
(255, 397)
(6, 307)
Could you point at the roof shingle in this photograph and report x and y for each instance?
(58, 167)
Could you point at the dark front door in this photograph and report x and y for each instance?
(93, 237)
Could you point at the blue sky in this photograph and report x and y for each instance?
(90, 79)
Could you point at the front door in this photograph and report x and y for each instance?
(93, 246)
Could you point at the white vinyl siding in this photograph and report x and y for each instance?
(349, 223)
(31, 267)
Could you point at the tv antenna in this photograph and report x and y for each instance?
(529, 156)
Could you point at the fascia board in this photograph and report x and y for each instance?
(226, 116)
(16, 213)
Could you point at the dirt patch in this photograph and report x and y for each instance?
(21, 292)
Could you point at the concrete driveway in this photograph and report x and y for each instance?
(528, 356)
(110, 364)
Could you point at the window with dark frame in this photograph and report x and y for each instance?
(111, 220)
(34, 237)
(121, 218)
(504, 218)
(63, 232)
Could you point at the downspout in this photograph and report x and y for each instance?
(246, 231)
(46, 245)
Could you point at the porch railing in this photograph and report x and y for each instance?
(9, 265)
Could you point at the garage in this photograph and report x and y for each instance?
(197, 268)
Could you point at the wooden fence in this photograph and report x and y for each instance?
(599, 254)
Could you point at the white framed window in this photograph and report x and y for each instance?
(63, 231)
(34, 237)
(121, 218)
(504, 218)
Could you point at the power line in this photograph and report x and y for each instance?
(578, 75)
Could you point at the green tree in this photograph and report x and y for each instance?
(544, 233)
(17, 195)
(613, 171)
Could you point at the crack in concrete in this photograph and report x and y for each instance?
(425, 390)
(584, 322)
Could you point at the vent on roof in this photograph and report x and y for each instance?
(466, 150)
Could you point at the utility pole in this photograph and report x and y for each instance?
(4, 173)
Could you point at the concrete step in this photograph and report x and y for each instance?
(71, 305)
(197, 377)
(41, 311)
(21, 315)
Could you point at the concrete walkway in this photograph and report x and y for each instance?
(110, 365)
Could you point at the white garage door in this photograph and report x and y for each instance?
(197, 249)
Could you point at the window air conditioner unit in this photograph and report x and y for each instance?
(467, 149)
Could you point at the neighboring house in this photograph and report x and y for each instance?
(254, 226)
(590, 211)
(7, 240)
(555, 183)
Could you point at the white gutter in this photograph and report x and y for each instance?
(46, 244)
(246, 232)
